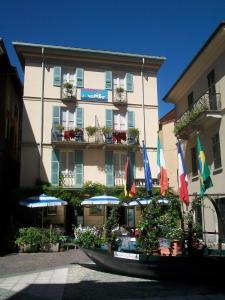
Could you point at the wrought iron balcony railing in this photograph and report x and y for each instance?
(119, 97)
(69, 92)
(61, 134)
(208, 102)
(68, 180)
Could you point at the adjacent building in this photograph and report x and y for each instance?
(84, 112)
(11, 91)
(199, 97)
(169, 143)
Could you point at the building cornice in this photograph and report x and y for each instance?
(105, 57)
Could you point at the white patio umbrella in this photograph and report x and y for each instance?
(101, 200)
(146, 201)
(42, 201)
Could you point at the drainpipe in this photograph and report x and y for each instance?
(42, 110)
(143, 99)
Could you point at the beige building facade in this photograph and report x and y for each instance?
(67, 90)
(199, 97)
(169, 143)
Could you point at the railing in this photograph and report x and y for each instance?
(67, 135)
(119, 97)
(141, 182)
(80, 135)
(69, 93)
(207, 102)
(67, 180)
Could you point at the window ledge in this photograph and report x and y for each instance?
(218, 171)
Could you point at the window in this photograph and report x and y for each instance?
(119, 120)
(52, 210)
(212, 90)
(67, 163)
(216, 151)
(190, 99)
(68, 76)
(119, 160)
(67, 118)
(96, 210)
(194, 161)
(118, 81)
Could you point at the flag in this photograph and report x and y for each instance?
(182, 177)
(203, 169)
(129, 186)
(147, 170)
(161, 170)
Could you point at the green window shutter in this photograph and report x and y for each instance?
(109, 118)
(109, 168)
(80, 117)
(57, 76)
(130, 119)
(129, 82)
(55, 167)
(79, 168)
(55, 115)
(132, 161)
(108, 80)
(80, 77)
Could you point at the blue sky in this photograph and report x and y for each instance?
(175, 29)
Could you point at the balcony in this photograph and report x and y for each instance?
(202, 114)
(67, 180)
(101, 136)
(68, 91)
(119, 96)
(67, 135)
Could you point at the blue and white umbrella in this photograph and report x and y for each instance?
(146, 201)
(42, 201)
(101, 200)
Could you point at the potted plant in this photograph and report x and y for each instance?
(91, 131)
(108, 134)
(29, 239)
(133, 135)
(119, 89)
(68, 89)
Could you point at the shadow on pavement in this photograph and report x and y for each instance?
(113, 290)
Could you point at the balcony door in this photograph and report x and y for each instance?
(67, 118)
(119, 120)
(67, 164)
(119, 160)
(212, 90)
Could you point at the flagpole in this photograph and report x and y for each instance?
(143, 98)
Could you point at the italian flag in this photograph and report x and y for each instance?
(182, 177)
(161, 170)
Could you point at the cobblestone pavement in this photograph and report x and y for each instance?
(71, 275)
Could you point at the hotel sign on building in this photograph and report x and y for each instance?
(94, 95)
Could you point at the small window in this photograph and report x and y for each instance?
(194, 161)
(52, 210)
(216, 151)
(190, 99)
(96, 210)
